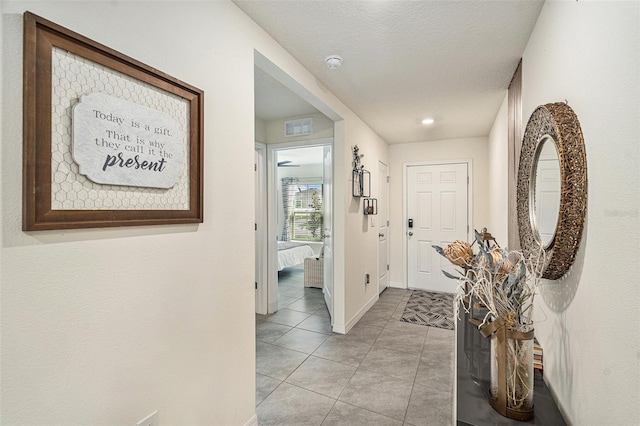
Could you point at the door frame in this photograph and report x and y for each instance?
(327, 248)
(261, 220)
(405, 169)
(272, 252)
(386, 207)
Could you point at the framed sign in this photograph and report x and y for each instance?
(108, 140)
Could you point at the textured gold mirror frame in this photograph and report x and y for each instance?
(558, 121)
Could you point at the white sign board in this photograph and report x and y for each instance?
(117, 142)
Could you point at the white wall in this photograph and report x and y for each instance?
(498, 176)
(361, 257)
(261, 130)
(474, 149)
(589, 54)
(104, 326)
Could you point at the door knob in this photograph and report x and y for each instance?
(381, 235)
(410, 233)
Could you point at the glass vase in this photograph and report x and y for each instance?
(512, 377)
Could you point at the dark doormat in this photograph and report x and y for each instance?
(430, 309)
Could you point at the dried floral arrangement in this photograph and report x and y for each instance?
(504, 283)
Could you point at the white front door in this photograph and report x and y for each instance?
(327, 218)
(437, 214)
(383, 227)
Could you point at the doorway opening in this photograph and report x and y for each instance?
(289, 120)
(302, 205)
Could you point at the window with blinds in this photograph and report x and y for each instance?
(306, 213)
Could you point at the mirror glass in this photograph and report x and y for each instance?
(545, 191)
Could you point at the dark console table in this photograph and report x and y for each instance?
(473, 377)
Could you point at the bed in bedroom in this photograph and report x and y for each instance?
(292, 254)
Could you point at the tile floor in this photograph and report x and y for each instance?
(383, 372)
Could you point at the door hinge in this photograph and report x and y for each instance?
(255, 226)
(387, 267)
(255, 167)
(388, 177)
(387, 223)
(467, 180)
(256, 285)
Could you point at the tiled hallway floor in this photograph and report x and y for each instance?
(383, 372)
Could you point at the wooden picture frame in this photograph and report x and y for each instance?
(41, 39)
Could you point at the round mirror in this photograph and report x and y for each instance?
(544, 193)
(552, 188)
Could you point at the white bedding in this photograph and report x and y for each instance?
(293, 256)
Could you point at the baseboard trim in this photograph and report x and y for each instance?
(554, 396)
(338, 328)
(397, 285)
(353, 321)
(253, 421)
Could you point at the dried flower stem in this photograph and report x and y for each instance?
(509, 297)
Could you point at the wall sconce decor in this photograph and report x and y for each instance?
(361, 178)
(361, 183)
(370, 206)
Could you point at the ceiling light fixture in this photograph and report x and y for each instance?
(427, 121)
(333, 62)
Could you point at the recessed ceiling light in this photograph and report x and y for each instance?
(427, 121)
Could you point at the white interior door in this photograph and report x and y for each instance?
(437, 213)
(383, 227)
(327, 216)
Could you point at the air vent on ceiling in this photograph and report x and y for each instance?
(298, 127)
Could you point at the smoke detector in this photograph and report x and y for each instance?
(333, 62)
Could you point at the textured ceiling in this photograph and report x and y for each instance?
(406, 60)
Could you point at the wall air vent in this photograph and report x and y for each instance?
(298, 127)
